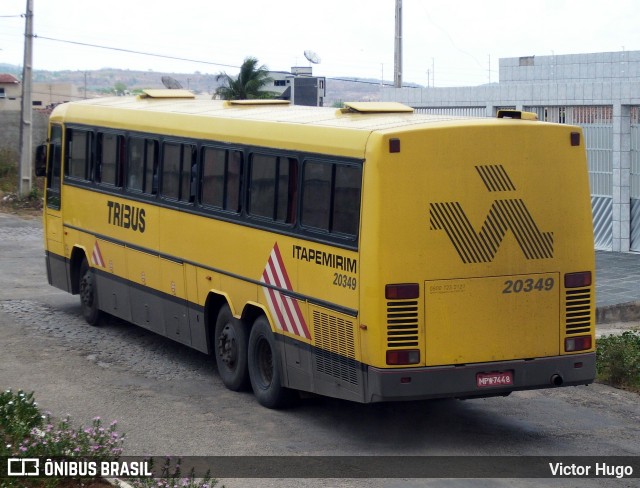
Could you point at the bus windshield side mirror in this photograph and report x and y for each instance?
(41, 160)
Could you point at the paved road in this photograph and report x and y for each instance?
(169, 400)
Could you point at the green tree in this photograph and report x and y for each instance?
(248, 84)
(119, 88)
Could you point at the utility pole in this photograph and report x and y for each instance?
(398, 46)
(26, 135)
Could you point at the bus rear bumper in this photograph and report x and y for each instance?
(461, 381)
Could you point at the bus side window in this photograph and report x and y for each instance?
(54, 168)
(316, 203)
(233, 181)
(135, 164)
(221, 178)
(151, 167)
(179, 161)
(331, 197)
(346, 203)
(272, 187)
(171, 170)
(78, 154)
(110, 159)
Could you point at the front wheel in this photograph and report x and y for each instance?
(89, 295)
(264, 367)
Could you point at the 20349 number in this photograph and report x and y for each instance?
(528, 285)
(345, 281)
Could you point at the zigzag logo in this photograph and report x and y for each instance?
(505, 214)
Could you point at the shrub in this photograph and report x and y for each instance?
(618, 359)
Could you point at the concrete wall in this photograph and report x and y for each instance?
(10, 129)
(576, 68)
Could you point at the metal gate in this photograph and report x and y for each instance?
(634, 189)
(597, 126)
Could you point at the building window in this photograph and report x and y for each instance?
(280, 83)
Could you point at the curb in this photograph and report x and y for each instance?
(622, 312)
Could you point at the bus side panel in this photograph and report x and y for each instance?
(195, 312)
(57, 264)
(113, 290)
(176, 316)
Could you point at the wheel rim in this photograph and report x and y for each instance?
(227, 347)
(264, 357)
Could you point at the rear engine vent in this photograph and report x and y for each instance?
(335, 347)
(578, 311)
(402, 324)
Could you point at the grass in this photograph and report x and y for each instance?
(618, 360)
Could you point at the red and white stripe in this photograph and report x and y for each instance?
(284, 309)
(96, 256)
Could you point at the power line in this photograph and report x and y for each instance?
(177, 58)
(111, 48)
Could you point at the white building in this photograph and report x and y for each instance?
(300, 86)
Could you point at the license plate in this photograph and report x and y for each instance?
(492, 380)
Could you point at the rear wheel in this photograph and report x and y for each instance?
(231, 350)
(264, 368)
(89, 295)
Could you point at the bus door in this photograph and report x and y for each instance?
(56, 263)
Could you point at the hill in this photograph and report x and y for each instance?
(101, 81)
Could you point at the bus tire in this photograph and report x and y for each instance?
(88, 292)
(230, 349)
(265, 370)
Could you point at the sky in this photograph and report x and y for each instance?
(445, 42)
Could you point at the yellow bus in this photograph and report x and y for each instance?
(367, 253)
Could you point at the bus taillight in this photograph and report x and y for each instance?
(402, 291)
(403, 356)
(577, 280)
(580, 343)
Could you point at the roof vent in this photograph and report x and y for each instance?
(376, 108)
(256, 101)
(159, 93)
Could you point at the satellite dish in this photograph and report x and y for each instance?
(171, 83)
(312, 56)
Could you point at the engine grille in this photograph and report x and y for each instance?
(402, 323)
(578, 318)
(335, 351)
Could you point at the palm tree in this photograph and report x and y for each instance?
(249, 83)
